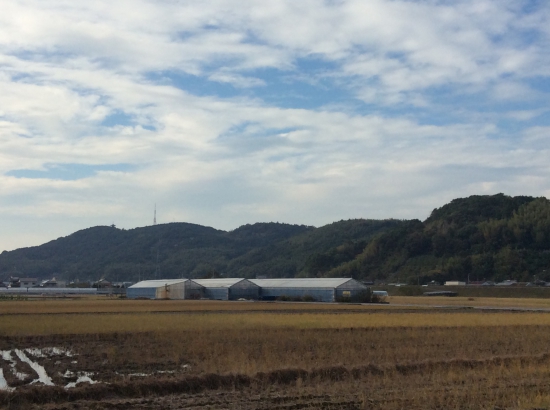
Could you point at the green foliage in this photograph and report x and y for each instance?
(185, 250)
(293, 256)
(476, 238)
(12, 298)
(477, 208)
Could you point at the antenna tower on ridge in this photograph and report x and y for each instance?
(155, 218)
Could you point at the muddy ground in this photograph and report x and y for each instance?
(75, 372)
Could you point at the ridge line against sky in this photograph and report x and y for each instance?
(226, 113)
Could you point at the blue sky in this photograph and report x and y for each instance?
(225, 113)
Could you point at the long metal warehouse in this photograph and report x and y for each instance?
(54, 291)
(229, 288)
(165, 289)
(311, 289)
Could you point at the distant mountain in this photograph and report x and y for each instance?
(291, 257)
(481, 237)
(184, 250)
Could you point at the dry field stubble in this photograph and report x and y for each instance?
(94, 305)
(472, 301)
(284, 357)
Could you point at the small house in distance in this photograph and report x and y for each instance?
(102, 284)
(228, 288)
(28, 282)
(165, 289)
(314, 289)
(50, 283)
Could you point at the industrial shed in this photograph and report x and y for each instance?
(321, 290)
(228, 288)
(165, 289)
(52, 291)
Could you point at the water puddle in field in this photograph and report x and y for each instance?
(83, 377)
(3, 383)
(17, 357)
(6, 356)
(137, 374)
(183, 367)
(29, 366)
(40, 371)
(49, 352)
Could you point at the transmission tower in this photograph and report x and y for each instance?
(155, 217)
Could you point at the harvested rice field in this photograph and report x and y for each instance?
(120, 354)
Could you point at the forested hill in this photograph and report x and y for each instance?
(187, 250)
(480, 238)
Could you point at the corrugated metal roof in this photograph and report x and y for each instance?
(157, 283)
(302, 282)
(218, 283)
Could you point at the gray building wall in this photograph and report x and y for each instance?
(135, 293)
(216, 293)
(175, 291)
(228, 288)
(53, 291)
(158, 290)
(244, 290)
(318, 294)
(193, 290)
(352, 290)
(321, 290)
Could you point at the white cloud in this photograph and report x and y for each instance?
(236, 80)
(67, 69)
(525, 115)
(514, 91)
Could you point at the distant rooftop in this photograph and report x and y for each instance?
(218, 283)
(302, 282)
(157, 283)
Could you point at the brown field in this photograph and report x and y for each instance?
(113, 305)
(472, 301)
(195, 354)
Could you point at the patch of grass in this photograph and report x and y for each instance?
(12, 325)
(470, 301)
(4, 298)
(106, 305)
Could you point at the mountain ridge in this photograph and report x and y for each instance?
(172, 250)
(480, 237)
